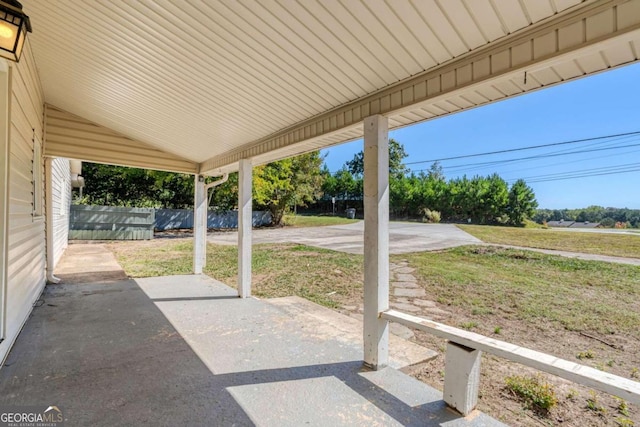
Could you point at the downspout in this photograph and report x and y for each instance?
(210, 185)
(49, 220)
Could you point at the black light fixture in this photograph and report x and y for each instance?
(14, 25)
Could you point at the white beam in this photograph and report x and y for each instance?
(376, 240)
(199, 225)
(5, 119)
(245, 176)
(594, 378)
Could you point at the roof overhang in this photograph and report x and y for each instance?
(211, 83)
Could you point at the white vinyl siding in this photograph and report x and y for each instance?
(60, 205)
(26, 233)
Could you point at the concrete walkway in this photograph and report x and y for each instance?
(404, 237)
(577, 255)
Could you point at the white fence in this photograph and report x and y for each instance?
(462, 363)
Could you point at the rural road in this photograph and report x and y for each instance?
(404, 237)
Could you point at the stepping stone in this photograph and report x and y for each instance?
(405, 307)
(349, 307)
(406, 277)
(358, 316)
(400, 331)
(404, 284)
(405, 270)
(424, 303)
(404, 300)
(400, 292)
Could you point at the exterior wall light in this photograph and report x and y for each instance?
(14, 25)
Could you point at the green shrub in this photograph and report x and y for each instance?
(534, 391)
(430, 216)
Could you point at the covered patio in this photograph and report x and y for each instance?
(212, 87)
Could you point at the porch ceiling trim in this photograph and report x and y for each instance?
(575, 32)
(70, 136)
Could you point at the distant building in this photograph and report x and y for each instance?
(585, 224)
(560, 224)
(572, 224)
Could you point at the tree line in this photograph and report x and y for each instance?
(608, 217)
(481, 199)
(302, 181)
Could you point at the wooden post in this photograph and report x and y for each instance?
(199, 225)
(376, 240)
(461, 377)
(245, 176)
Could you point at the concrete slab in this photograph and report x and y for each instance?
(325, 323)
(404, 237)
(84, 263)
(409, 292)
(185, 351)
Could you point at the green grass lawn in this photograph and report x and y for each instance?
(322, 276)
(591, 243)
(316, 220)
(515, 284)
(533, 288)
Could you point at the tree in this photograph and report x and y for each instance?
(396, 157)
(280, 185)
(436, 172)
(522, 203)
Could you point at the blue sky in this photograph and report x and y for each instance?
(604, 104)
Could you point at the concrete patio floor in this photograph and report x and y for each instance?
(184, 350)
(404, 237)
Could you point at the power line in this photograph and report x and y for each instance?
(526, 148)
(539, 156)
(548, 165)
(583, 173)
(584, 176)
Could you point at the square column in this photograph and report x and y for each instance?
(199, 225)
(245, 222)
(376, 240)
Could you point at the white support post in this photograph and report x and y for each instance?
(376, 240)
(461, 377)
(5, 154)
(199, 225)
(245, 176)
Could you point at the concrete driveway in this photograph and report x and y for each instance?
(404, 237)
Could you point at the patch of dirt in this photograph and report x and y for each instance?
(617, 354)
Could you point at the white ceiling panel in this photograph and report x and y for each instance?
(201, 78)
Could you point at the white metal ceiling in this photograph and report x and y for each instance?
(198, 78)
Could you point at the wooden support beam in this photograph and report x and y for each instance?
(376, 240)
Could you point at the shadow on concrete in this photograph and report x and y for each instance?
(106, 355)
(206, 298)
